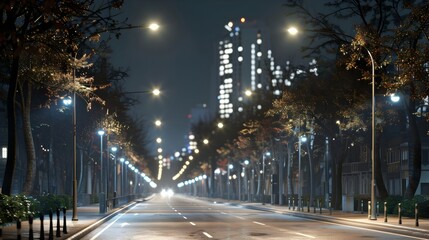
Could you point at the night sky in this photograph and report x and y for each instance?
(180, 58)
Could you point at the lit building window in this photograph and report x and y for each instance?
(4, 152)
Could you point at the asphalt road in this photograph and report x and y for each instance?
(181, 217)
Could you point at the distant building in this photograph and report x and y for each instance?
(246, 64)
(241, 56)
(199, 113)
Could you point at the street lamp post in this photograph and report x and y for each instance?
(230, 166)
(247, 181)
(127, 165)
(300, 139)
(122, 160)
(67, 102)
(373, 210)
(102, 194)
(74, 217)
(263, 176)
(115, 190)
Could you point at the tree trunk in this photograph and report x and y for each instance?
(379, 182)
(290, 190)
(213, 167)
(28, 138)
(11, 129)
(337, 171)
(310, 165)
(415, 152)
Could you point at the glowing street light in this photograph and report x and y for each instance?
(158, 123)
(156, 92)
(248, 92)
(153, 27)
(292, 30)
(394, 98)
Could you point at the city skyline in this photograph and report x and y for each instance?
(181, 58)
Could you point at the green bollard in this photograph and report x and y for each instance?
(58, 233)
(416, 213)
(399, 213)
(385, 211)
(302, 205)
(293, 204)
(314, 206)
(369, 209)
(18, 229)
(30, 225)
(308, 205)
(64, 221)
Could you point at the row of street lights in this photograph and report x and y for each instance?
(152, 27)
(104, 174)
(373, 215)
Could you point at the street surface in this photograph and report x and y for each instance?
(183, 217)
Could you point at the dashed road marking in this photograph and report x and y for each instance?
(305, 235)
(262, 224)
(207, 235)
(193, 224)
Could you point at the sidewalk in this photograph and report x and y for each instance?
(337, 216)
(88, 217)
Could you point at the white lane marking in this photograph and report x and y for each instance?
(175, 210)
(222, 213)
(259, 223)
(124, 224)
(75, 236)
(207, 235)
(179, 213)
(193, 224)
(106, 227)
(242, 218)
(305, 235)
(185, 217)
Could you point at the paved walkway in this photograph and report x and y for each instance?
(89, 218)
(407, 223)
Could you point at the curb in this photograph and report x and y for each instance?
(83, 232)
(91, 227)
(340, 220)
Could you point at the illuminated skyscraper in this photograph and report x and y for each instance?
(240, 64)
(246, 63)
